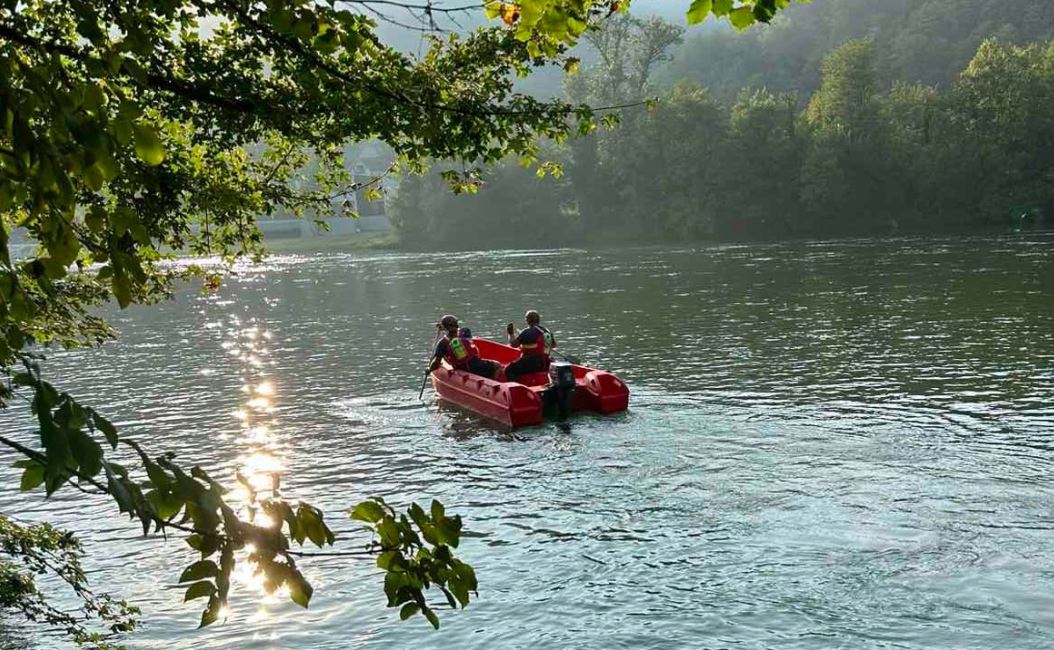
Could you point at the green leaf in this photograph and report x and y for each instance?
(467, 573)
(393, 588)
(368, 511)
(223, 579)
(424, 523)
(56, 442)
(389, 560)
(122, 289)
(742, 17)
(71, 415)
(148, 145)
(212, 612)
(699, 10)
(449, 530)
(93, 178)
(123, 219)
(122, 130)
(460, 591)
(408, 610)
(199, 570)
(32, 477)
(722, 7)
(86, 452)
(119, 491)
(438, 511)
(166, 505)
(107, 428)
(311, 524)
(300, 590)
(431, 616)
(199, 590)
(108, 166)
(389, 532)
(304, 28)
(95, 219)
(450, 600)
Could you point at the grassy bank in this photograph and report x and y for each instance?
(362, 242)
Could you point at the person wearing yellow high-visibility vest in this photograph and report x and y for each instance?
(536, 343)
(458, 350)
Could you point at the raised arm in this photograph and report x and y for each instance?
(514, 339)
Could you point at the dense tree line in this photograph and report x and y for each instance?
(861, 156)
(916, 41)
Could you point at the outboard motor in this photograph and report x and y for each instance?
(561, 387)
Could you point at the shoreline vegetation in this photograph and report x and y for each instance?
(391, 242)
(358, 242)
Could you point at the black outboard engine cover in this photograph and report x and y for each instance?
(561, 375)
(561, 387)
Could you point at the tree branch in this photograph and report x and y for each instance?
(426, 7)
(158, 81)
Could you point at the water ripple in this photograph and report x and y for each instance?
(831, 444)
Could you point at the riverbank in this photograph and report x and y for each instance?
(359, 242)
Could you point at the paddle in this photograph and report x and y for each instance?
(566, 357)
(428, 371)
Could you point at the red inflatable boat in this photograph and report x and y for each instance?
(523, 403)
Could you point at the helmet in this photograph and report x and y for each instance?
(532, 317)
(448, 321)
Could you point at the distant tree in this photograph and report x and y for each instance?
(847, 100)
(847, 171)
(515, 207)
(765, 150)
(914, 115)
(667, 170)
(1002, 123)
(628, 50)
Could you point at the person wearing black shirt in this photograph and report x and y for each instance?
(535, 344)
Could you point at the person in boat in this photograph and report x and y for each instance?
(535, 342)
(457, 349)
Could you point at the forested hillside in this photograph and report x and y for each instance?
(927, 41)
(845, 117)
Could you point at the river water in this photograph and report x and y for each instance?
(829, 445)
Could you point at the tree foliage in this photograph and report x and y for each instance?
(29, 551)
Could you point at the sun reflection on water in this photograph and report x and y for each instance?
(260, 464)
(265, 388)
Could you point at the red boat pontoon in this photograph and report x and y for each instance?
(520, 403)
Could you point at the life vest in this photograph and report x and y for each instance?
(459, 351)
(542, 345)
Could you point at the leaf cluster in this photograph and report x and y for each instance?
(28, 551)
(415, 551)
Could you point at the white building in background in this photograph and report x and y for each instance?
(372, 215)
